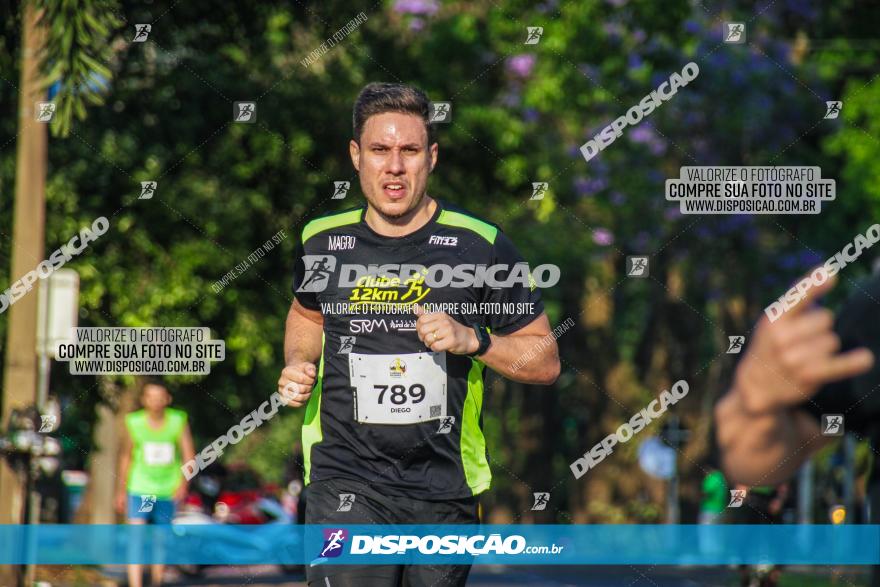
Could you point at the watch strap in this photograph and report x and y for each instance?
(483, 338)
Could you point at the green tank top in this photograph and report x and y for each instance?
(156, 460)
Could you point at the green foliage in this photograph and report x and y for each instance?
(77, 55)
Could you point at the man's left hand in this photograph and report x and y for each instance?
(440, 332)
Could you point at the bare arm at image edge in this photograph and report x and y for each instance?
(764, 434)
(764, 449)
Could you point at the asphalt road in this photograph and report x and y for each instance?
(489, 576)
(543, 576)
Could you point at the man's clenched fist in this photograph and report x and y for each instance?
(440, 332)
(297, 380)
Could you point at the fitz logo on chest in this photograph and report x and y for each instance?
(446, 241)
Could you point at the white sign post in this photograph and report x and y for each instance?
(56, 319)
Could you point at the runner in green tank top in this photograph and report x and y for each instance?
(156, 442)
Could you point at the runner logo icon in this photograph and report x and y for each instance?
(832, 108)
(245, 112)
(534, 34)
(346, 500)
(832, 424)
(736, 32)
(45, 111)
(147, 503)
(47, 422)
(736, 344)
(334, 541)
(340, 189)
(737, 497)
(346, 344)
(148, 188)
(541, 501)
(141, 32)
(637, 266)
(446, 425)
(441, 111)
(539, 188)
(318, 270)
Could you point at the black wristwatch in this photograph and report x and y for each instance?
(483, 337)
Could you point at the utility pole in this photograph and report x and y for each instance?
(674, 436)
(805, 493)
(28, 235)
(849, 477)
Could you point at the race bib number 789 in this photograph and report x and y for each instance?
(398, 389)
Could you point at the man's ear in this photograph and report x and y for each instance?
(354, 150)
(435, 148)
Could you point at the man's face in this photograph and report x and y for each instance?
(155, 398)
(394, 160)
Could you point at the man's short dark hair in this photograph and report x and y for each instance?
(378, 98)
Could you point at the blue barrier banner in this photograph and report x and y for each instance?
(221, 544)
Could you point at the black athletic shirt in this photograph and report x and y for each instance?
(378, 411)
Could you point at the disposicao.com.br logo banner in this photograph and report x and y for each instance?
(561, 544)
(423, 544)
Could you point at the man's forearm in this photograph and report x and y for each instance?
(302, 339)
(526, 358)
(763, 449)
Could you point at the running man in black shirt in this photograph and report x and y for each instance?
(388, 346)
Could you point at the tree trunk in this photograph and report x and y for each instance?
(20, 384)
(98, 502)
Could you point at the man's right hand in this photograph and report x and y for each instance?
(790, 359)
(298, 378)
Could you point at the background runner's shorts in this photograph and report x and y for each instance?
(371, 506)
